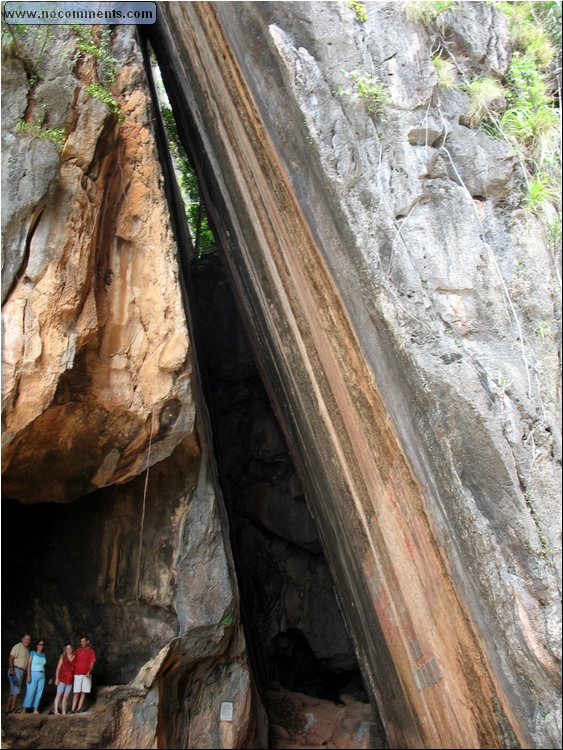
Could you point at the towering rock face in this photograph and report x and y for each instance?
(392, 288)
(98, 405)
(96, 367)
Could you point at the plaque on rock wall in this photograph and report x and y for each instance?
(226, 711)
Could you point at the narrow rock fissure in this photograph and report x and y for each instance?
(360, 324)
(295, 631)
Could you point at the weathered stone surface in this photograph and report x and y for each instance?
(134, 716)
(158, 602)
(96, 367)
(121, 717)
(14, 89)
(98, 405)
(299, 721)
(25, 191)
(293, 620)
(386, 281)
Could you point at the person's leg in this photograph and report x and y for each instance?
(60, 688)
(66, 693)
(86, 688)
(30, 688)
(15, 687)
(39, 687)
(77, 690)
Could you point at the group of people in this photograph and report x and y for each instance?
(73, 674)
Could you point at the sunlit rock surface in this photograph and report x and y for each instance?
(96, 364)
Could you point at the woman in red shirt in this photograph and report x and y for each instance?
(64, 676)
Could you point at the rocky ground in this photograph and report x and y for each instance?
(90, 729)
(297, 721)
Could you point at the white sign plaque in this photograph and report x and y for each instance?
(226, 711)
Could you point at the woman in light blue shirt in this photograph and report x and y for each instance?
(35, 677)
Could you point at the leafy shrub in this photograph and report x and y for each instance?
(56, 135)
(445, 72)
(227, 620)
(359, 9)
(482, 93)
(540, 192)
(425, 12)
(104, 95)
(100, 50)
(530, 35)
(368, 88)
(530, 119)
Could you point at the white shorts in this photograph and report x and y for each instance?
(82, 683)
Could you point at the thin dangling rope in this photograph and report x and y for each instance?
(143, 510)
(198, 228)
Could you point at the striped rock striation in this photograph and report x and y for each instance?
(392, 285)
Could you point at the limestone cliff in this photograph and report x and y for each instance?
(403, 311)
(99, 404)
(393, 288)
(96, 364)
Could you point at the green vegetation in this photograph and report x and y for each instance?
(104, 95)
(368, 88)
(445, 72)
(543, 329)
(531, 122)
(502, 381)
(12, 36)
(57, 135)
(227, 620)
(27, 44)
(539, 192)
(425, 12)
(359, 9)
(535, 28)
(531, 119)
(554, 231)
(108, 64)
(198, 222)
(482, 93)
(523, 108)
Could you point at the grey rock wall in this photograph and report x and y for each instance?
(437, 285)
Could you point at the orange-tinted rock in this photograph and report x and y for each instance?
(96, 362)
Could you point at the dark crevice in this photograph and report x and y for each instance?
(295, 632)
(294, 629)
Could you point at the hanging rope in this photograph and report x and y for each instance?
(198, 227)
(143, 510)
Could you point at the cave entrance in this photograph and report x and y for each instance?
(295, 631)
